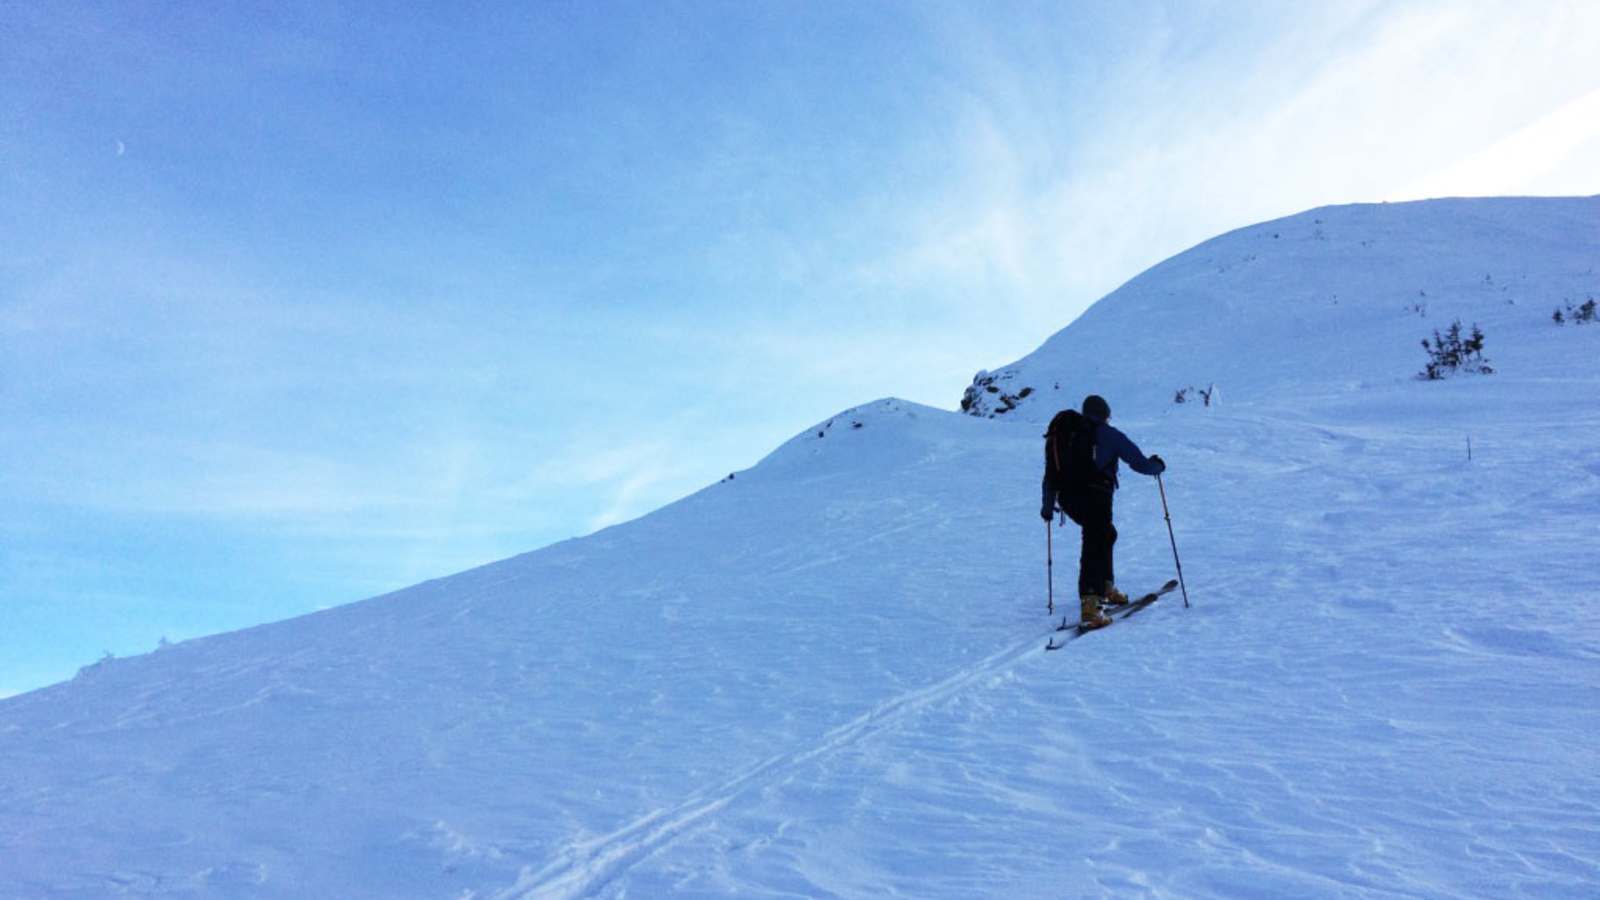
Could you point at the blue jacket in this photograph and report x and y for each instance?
(1111, 445)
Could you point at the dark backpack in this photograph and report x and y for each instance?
(1069, 455)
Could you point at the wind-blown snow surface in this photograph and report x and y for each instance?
(826, 676)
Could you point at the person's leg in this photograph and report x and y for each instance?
(1092, 562)
(1077, 512)
(1111, 542)
(1097, 518)
(1108, 565)
(1095, 561)
(1089, 560)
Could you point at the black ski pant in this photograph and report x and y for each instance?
(1092, 513)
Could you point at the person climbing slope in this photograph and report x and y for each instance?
(1081, 452)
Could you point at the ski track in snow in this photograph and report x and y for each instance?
(585, 867)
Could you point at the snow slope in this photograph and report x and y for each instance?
(825, 676)
(1335, 298)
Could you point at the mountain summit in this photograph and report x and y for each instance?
(1334, 298)
(826, 675)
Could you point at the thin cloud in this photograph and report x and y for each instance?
(1526, 158)
(632, 497)
(1069, 187)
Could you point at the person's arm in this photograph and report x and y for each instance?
(1047, 500)
(1129, 452)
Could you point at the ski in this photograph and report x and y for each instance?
(1122, 612)
(1114, 613)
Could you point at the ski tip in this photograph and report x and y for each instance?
(1170, 585)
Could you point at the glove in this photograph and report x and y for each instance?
(1161, 464)
(1046, 513)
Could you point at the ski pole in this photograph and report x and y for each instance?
(1049, 568)
(1178, 562)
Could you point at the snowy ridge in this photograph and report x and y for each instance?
(825, 676)
(1333, 297)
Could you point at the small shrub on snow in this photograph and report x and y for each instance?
(1577, 315)
(1450, 353)
(1205, 394)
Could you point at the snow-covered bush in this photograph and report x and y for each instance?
(1577, 315)
(1206, 394)
(1450, 353)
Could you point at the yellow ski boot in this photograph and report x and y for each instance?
(1091, 616)
(1115, 597)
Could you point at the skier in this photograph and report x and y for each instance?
(1080, 473)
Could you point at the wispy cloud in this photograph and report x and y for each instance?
(1069, 184)
(628, 498)
(1529, 160)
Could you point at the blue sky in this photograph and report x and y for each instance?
(303, 305)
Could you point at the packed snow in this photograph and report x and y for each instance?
(826, 675)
